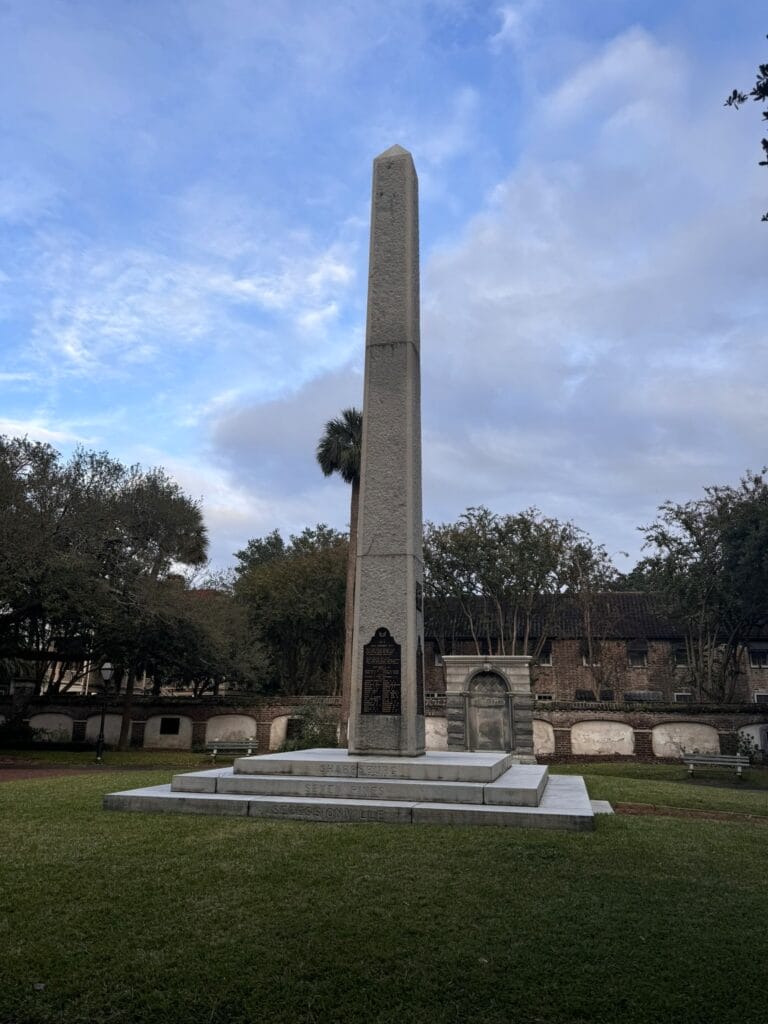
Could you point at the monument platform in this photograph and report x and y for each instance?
(332, 785)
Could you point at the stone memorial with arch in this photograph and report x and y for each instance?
(489, 704)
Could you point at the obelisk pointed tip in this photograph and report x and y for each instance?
(393, 151)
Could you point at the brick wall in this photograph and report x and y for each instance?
(568, 674)
(264, 710)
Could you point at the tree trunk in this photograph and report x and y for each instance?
(125, 723)
(349, 611)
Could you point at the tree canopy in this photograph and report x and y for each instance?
(518, 564)
(293, 594)
(709, 562)
(84, 545)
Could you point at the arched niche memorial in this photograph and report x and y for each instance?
(489, 704)
(52, 727)
(673, 739)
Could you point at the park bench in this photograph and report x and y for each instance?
(229, 747)
(737, 761)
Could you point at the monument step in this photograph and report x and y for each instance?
(564, 805)
(434, 766)
(521, 785)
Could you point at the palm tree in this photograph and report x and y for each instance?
(338, 451)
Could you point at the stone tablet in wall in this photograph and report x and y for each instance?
(381, 675)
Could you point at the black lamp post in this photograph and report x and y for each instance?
(107, 672)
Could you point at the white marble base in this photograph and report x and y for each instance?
(330, 785)
(435, 765)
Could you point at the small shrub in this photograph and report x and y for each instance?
(747, 746)
(16, 733)
(316, 727)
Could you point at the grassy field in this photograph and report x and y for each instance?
(169, 759)
(160, 918)
(668, 785)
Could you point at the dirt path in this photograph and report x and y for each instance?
(17, 770)
(31, 772)
(690, 812)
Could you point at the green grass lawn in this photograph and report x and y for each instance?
(669, 786)
(169, 759)
(164, 918)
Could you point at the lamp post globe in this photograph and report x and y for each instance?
(106, 671)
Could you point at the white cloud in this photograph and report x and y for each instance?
(455, 134)
(513, 31)
(260, 472)
(39, 431)
(591, 343)
(26, 196)
(15, 377)
(102, 311)
(633, 71)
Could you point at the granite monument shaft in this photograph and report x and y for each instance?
(387, 702)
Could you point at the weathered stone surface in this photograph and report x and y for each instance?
(197, 782)
(389, 555)
(353, 789)
(331, 810)
(564, 805)
(320, 761)
(521, 785)
(162, 798)
(515, 817)
(601, 807)
(435, 765)
(563, 801)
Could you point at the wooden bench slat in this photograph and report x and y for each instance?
(737, 761)
(228, 746)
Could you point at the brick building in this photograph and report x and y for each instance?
(631, 653)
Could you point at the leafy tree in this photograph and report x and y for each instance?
(260, 551)
(84, 545)
(759, 94)
(200, 639)
(518, 566)
(339, 451)
(588, 577)
(295, 609)
(157, 528)
(57, 535)
(709, 562)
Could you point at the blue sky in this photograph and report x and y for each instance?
(184, 204)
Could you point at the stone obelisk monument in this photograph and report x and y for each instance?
(387, 700)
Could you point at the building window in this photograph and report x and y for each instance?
(585, 695)
(644, 696)
(760, 698)
(758, 657)
(545, 654)
(607, 695)
(590, 657)
(544, 696)
(683, 698)
(680, 654)
(637, 654)
(169, 726)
